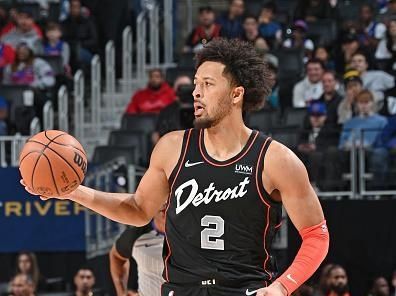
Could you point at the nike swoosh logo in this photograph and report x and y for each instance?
(291, 279)
(248, 293)
(190, 164)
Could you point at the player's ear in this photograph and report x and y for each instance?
(237, 94)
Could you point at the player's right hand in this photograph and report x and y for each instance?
(30, 190)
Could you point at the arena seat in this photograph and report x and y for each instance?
(139, 122)
(14, 95)
(287, 135)
(295, 116)
(292, 64)
(103, 154)
(323, 31)
(125, 138)
(55, 62)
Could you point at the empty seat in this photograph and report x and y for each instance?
(323, 31)
(55, 62)
(260, 120)
(137, 139)
(295, 116)
(54, 11)
(291, 63)
(288, 136)
(14, 95)
(103, 154)
(173, 73)
(139, 122)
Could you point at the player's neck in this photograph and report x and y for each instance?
(226, 139)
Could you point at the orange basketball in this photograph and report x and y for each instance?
(53, 163)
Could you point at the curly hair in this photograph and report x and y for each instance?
(244, 67)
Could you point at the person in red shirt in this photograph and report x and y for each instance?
(12, 23)
(152, 99)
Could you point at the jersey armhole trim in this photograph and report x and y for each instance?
(260, 169)
(176, 169)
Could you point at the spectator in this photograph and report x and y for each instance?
(272, 101)
(145, 245)
(366, 120)
(387, 47)
(250, 29)
(29, 70)
(372, 31)
(22, 285)
(206, 30)
(3, 116)
(23, 32)
(80, 33)
(393, 283)
(11, 22)
(323, 284)
(314, 140)
(389, 13)
(54, 45)
(27, 265)
(7, 56)
(270, 29)
(375, 80)
(299, 40)
(152, 99)
(321, 53)
(310, 88)
(313, 10)
(380, 287)
(231, 21)
(353, 85)
(84, 280)
(175, 115)
(263, 49)
(330, 97)
(338, 281)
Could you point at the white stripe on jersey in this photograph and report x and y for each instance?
(147, 252)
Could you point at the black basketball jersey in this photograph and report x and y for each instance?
(220, 221)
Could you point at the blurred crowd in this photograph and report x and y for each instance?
(331, 280)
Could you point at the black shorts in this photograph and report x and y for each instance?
(169, 289)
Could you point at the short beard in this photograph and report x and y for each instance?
(204, 123)
(339, 290)
(224, 108)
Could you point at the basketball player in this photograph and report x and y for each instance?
(145, 245)
(224, 185)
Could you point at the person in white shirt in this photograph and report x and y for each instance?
(376, 81)
(372, 31)
(310, 88)
(386, 49)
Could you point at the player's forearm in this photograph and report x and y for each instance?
(120, 207)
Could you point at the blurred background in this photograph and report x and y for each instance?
(117, 75)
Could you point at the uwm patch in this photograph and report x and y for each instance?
(243, 169)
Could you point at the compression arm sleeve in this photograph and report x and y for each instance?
(314, 247)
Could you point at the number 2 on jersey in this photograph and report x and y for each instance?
(208, 233)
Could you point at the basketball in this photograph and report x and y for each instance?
(52, 163)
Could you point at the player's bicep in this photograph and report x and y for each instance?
(289, 176)
(153, 190)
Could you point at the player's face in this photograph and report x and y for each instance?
(84, 280)
(212, 95)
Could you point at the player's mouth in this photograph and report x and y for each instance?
(198, 109)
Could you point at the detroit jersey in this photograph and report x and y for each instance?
(220, 221)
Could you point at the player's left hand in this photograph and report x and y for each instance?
(275, 289)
